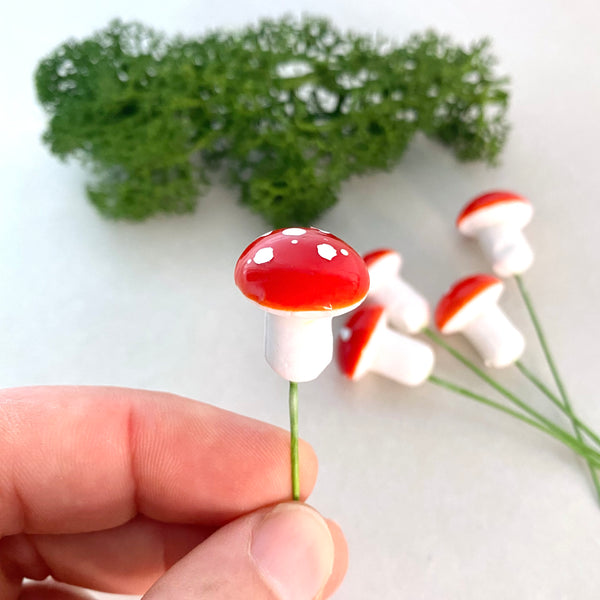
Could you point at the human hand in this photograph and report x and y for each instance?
(119, 490)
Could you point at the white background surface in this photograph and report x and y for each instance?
(439, 499)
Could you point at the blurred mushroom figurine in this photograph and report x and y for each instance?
(496, 219)
(471, 308)
(367, 344)
(407, 310)
(301, 277)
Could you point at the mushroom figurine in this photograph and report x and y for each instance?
(496, 219)
(367, 344)
(407, 310)
(471, 308)
(302, 278)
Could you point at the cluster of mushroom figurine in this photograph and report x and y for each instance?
(303, 277)
(377, 336)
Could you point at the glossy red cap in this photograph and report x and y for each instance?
(302, 270)
(375, 255)
(489, 199)
(460, 295)
(355, 335)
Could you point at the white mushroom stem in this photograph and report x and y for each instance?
(406, 309)
(496, 339)
(507, 249)
(298, 348)
(402, 358)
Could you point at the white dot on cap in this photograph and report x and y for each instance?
(326, 251)
(294, 241)
(264, 255)
(344, 252)
(345, 334)
(294, 231)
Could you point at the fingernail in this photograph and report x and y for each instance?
(293, 550)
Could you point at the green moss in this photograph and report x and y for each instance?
(288, 109)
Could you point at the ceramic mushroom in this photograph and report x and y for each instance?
(471, 308)
(367, 344)
(496, 219)
(301, 277)
(407, 310)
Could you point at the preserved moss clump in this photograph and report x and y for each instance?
(286, 109)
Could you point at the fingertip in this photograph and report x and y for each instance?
(170, 458)
(293, 551)
(287, 552)
(340, 565)
(309, 468)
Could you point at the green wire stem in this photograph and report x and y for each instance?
(584, 449)
(555, 375)
(592, 435)
(505, 409)
(294, 440)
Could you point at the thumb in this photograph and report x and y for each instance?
(286, 552)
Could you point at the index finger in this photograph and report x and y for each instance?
(86, 458)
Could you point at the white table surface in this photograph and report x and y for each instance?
(439, 498)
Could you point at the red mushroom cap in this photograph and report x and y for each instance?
(494, 207)
(375, 255)
(384, 265)
(354, 337)
(489, 199)
(460, 296)
(302, 270)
